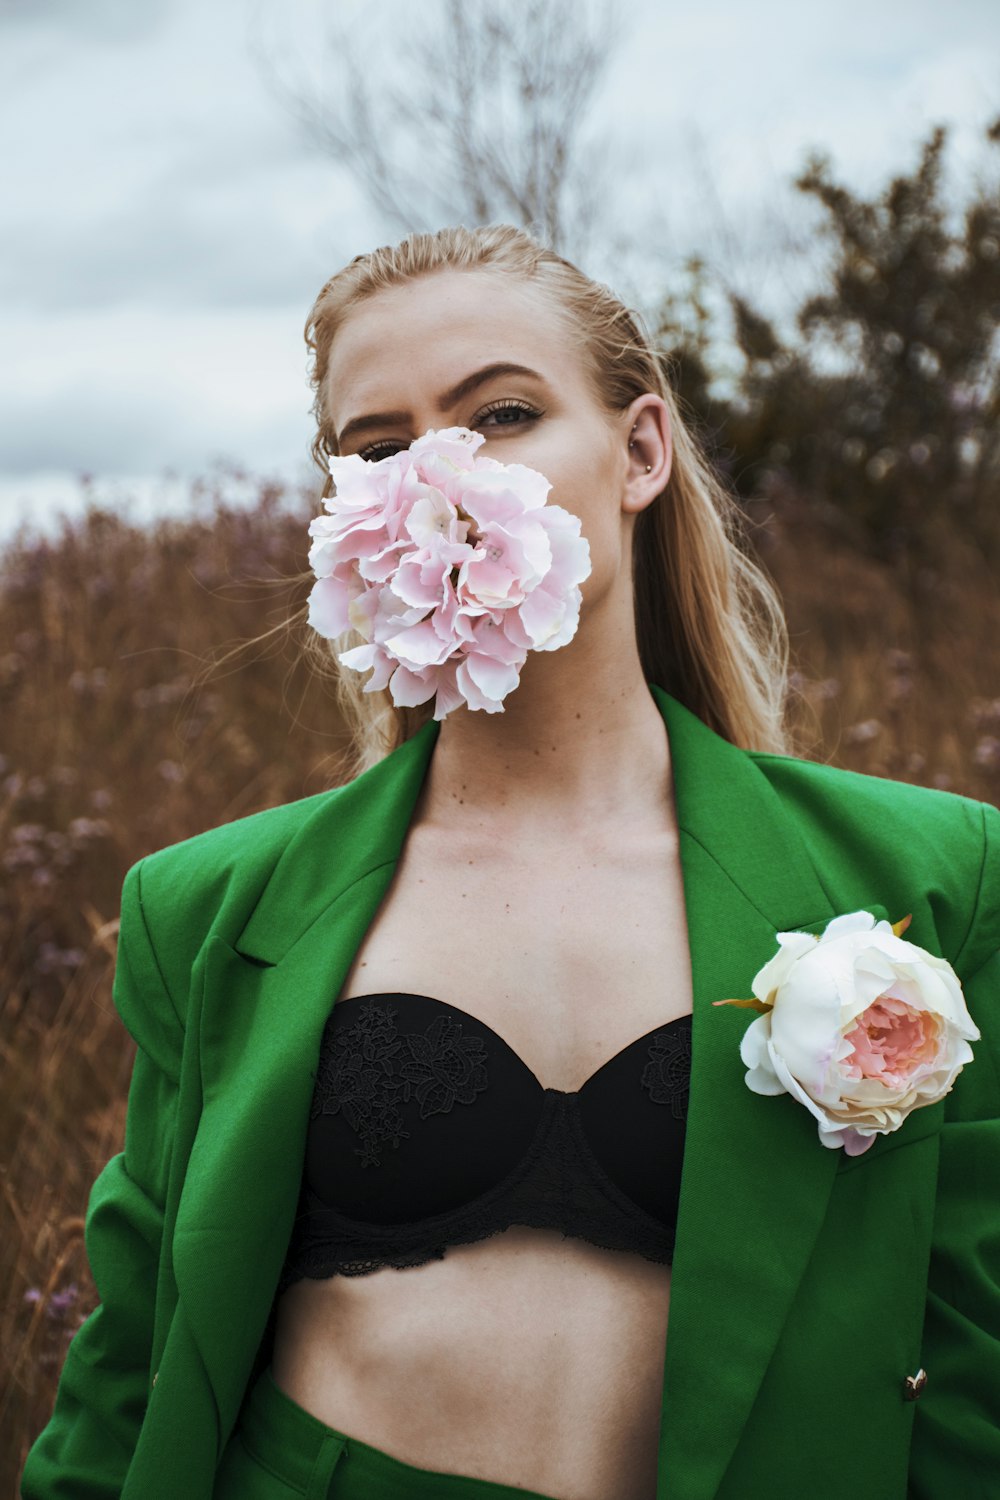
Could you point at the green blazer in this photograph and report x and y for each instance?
(806, 1284)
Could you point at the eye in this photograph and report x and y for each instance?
(508, 413)
(381, 450)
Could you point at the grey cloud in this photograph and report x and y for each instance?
(80, 428)
(162, 249)
(216, 221)
(112, 21)
(109, 429)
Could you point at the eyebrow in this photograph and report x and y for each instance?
(445, 401)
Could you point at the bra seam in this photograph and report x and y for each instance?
(514, 1179)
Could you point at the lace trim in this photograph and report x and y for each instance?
(667, 1075)
(320, 1259)
(369, 1068)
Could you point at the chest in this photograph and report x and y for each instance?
(568, 950)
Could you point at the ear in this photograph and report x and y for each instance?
(649, 446)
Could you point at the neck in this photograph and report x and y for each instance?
(580, 748)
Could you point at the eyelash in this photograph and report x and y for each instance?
(372, 451)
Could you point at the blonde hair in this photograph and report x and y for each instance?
(710, 627)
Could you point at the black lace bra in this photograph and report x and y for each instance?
(428, 1130)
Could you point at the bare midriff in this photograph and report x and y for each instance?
(528, 1359)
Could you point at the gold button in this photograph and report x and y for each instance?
(914, 1384)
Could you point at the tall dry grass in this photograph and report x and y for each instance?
(114, 742)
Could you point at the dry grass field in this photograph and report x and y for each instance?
(120, 736)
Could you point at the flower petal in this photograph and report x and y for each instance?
(453, 565)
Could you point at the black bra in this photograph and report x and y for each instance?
(428, 1130)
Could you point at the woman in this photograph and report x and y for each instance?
(576, 882)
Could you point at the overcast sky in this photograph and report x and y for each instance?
(167, 226)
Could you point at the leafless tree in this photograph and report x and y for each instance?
(469, 111)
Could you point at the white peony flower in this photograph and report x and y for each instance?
(859, 1025)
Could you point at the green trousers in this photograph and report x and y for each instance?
(279, 1450)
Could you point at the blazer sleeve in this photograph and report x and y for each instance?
(85, 1450)
(955, 1445)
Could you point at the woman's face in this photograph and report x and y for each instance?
(418, 355)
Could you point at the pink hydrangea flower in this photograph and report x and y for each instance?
(450, 567)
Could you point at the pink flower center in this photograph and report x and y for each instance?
(891, 1039)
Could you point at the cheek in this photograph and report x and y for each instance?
(598, 506)
(584, 485)
(584, 477)
(602, 530)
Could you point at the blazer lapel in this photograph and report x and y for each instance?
(263, 1003)
(755, 1181)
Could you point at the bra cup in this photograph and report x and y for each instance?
(427, 1129)
(421, 1107)
(633, 1113)
(447, 1158)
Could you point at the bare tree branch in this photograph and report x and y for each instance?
(477, 116)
